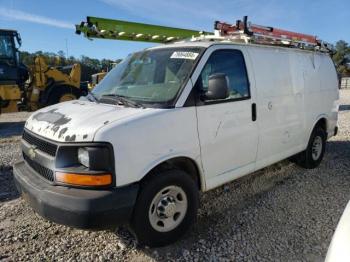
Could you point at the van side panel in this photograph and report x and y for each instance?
(321, 92)
(295, 89)
(279, 104)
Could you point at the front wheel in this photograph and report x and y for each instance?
(166, 207)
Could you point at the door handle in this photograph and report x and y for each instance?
(253, 112)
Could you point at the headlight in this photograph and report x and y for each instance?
(88, 164)
(94, 158)
(83, 156)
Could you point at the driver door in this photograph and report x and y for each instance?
(227, 128)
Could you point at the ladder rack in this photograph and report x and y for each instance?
(267, 35)
(242, 30)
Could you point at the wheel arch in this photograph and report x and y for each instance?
(320, 121)
(186, 164)
(323, 123)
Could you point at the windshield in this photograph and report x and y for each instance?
(151, 76)
(6, 47)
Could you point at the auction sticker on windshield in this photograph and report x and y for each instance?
(184, 55)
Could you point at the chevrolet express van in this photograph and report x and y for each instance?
(169, 122)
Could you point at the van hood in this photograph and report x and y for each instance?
(76, 121)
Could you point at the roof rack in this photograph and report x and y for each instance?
(258, 34)
(241, 31)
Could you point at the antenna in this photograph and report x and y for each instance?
(66, 48)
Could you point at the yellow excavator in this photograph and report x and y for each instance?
(30, 88)
(97, 78)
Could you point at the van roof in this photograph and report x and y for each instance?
(208, 43)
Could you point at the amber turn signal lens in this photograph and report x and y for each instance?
(84, 179)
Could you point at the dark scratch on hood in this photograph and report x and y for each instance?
(52, 117)
(61, 133)
(70, 138)
(55, 129)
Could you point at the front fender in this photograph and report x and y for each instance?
(142, 142)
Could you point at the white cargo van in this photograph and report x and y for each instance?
(171, 121)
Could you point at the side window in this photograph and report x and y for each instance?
(231, 63)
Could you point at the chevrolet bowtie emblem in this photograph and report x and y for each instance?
(31, 152)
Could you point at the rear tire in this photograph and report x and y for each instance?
(165, 209)
(313, 155)
(63, 93)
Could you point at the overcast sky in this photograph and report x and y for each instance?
(48, 25)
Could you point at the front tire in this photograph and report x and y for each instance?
(313, 155)
(165, 209)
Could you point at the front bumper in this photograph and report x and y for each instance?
(75, 207)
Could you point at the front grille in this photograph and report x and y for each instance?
(41, 170)
(42, 145)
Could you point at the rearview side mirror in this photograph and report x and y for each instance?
(218, 87)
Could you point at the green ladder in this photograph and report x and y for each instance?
(103, 28)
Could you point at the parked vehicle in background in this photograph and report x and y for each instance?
(97, 78)
(169, 122)
(345, 83)
(30, 88)
(339, 248)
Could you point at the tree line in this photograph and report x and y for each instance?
(89, 66)
(341, 58)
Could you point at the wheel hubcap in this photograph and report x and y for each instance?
(168, 209)
(317, 148)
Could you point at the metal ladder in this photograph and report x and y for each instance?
(267, 35)
(95, 27)
(242, 30)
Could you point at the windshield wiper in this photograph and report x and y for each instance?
(122, 100)
(91, 97)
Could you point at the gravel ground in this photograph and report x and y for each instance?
(281, 213)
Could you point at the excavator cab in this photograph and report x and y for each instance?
(13, 73)
(8, 50)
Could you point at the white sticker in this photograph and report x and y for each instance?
(184, 55)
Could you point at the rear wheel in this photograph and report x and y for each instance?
(63, 93)
(313, 155)
(166, 207)
(67, 97)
